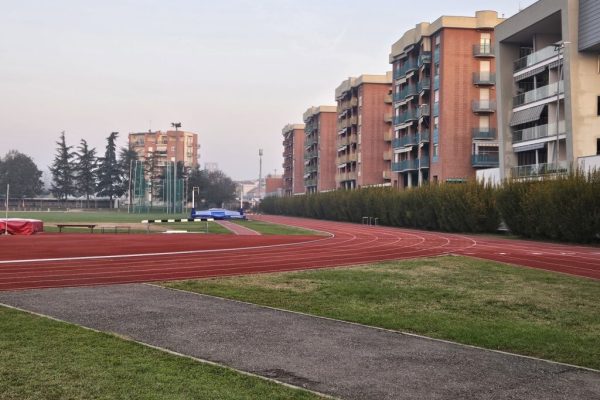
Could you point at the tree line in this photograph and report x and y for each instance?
(81, 172)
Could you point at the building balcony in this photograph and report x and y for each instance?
(311, 140)
(535, 58)
(387, 155)
(485, 160)
(538, 170)
(538, 132)
(483, 50)
(387, 175)
(405, 165)
(310, 182)
(406, 116)
(354, 102)
(409, 65)
(388, 136)
(483, 133)
(308, 154)
(484, 78)
(354, 120)
(347, 158)
(544, 92)
(423, 85)
(484, 106)
(424, 58)
(387, 99)
(423, 136)
(387, 118)
(398, 96)
(423, 111)
(346, 176)
(424, 161)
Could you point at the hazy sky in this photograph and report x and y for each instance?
(233, 71)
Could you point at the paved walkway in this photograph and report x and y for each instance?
(237, 229)
(337, 358)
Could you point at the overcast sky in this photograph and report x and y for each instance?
(233, 71)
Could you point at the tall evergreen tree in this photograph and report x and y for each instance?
(19, 170)
(85, 169)
(127, 157)
(109, 177)
(153, 173)
(62, 170)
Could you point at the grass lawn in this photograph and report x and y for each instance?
(482, 303)
(45, 359)
(266, 228)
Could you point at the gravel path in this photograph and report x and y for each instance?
(337, 358)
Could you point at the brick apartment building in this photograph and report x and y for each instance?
(319, 148)
(363, 156)
(444, 100)
(274, 186)
(293, 159)
(169, 146)
(549, 88)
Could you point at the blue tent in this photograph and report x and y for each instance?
(218, 213)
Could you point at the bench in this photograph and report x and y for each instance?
(89, 226)
(115, 229)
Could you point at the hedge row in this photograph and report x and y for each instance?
(566, 208)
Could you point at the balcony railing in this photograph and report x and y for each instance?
(310, 154)
(423, 136)
(424, 162)
(406, 140)
(484, 106)
(346, 176)
(310, 182)
(309, 141)
(483, 50)
(347, 158)
(424, 58)
(353, 120)
(484, 78)
(354, 102)
(406, 116)
(485, 160)
(536, 170)
(424, 84)
(387, 99)
(405, 165)
(534, 58)
(409, 90)
(410, 65)
(436, 55)
(423, 111)
(309, 169)
(553, 89)
(484, 133)
(538, 132)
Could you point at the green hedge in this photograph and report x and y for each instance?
(566, 208)
(468, 207)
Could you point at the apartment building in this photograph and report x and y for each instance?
(169, 146)
(363, 143)
(319, 148)
(274, 186)
(293, 159)
(548, 60)
(444, 119)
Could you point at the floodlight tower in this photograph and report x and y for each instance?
(176, 125)
(260, 154)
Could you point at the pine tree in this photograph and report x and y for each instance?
(85, 168)
(62, 170)
(109, 179)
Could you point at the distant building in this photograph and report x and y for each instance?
(274, 186)
(363, 145)
(211, 166)
(319, 148)
(444, 100)
(169, 146)
(549, 88)
(293, 159)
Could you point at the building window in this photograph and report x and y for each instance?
(598, 110)
(598, 147)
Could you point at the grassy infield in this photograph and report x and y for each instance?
(470, 301)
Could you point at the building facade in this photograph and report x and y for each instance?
(169, 146)
(293, 159)
(363, 144)
(548, 60)
(319, 148)
(444, 120)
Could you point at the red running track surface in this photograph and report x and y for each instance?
(61, 260)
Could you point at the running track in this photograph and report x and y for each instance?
(61, 260)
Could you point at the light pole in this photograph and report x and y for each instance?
(558, 48)
(195, 190)
(260, 154)
(6, 213)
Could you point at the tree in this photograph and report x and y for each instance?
(215, 186)
(62, 169)
(85, 169)
(153, 173)
(20, 172)
(127, 156)
(109, 177)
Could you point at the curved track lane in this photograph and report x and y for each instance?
(78, 260)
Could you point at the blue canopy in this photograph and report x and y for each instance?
(218, 213)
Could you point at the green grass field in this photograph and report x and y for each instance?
(46, 359)
(482, 303)
(266, 228)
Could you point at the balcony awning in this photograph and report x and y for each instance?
(527, 115)
(528, 147)
(402, 150)
(532, 72)
(401, 80)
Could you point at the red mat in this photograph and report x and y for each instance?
(19, 226)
